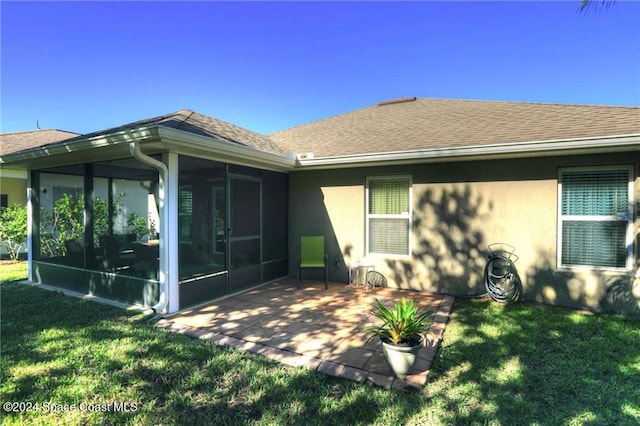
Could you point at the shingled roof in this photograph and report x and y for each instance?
(18, 141)
(185, 120)
(203, 125)
(409, 124)
(403, 125)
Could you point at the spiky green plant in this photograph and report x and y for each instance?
(401, 324)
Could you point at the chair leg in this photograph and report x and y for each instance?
(299, 277)
(326, 274)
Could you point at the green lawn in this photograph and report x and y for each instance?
(11, 271)
(515, 364)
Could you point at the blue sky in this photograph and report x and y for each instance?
(86, 66)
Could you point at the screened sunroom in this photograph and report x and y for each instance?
(95, 229)
(167, 213)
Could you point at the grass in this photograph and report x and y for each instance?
(514, 364)
(11, 271)
(525, 364)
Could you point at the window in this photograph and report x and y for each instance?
(4, 201)
(389, 215)
(185, 211)
(595, 217)
(75, 193)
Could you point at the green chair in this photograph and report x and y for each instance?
(312, 256)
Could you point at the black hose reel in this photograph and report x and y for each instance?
(500, 276)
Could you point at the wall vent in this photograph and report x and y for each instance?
(305, 156)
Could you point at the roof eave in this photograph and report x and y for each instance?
(222, 150)
(70, 152)
(157, 137)
(62, 153)
(575, 146)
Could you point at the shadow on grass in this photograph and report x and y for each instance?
(498, 363)
(67, 351)
(527, 363)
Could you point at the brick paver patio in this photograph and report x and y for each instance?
(312, 327)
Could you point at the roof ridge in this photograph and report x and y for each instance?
(38, 130)
(209, 117)
(528, 102)
(145, 122)
(189, 113)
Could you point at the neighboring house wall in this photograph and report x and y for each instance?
(13, 181)
(15, 189)
(136, 196)
(458, 209)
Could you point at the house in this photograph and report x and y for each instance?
(13, 181)
(417, 188)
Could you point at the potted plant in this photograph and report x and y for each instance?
(403, 330)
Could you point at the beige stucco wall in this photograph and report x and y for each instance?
(16, 190)
(458, 210)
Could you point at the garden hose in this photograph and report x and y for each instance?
(500, 277)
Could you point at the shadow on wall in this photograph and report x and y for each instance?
(623, 296)
(453, 226)
(598, 292)
(316, 221)
(450, 249)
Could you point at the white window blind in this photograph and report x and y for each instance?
(595, 217)
(389, 215)
(185, 213)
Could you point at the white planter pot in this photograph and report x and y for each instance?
(400, 358)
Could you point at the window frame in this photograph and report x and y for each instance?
(627, 217)
(405, 216)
